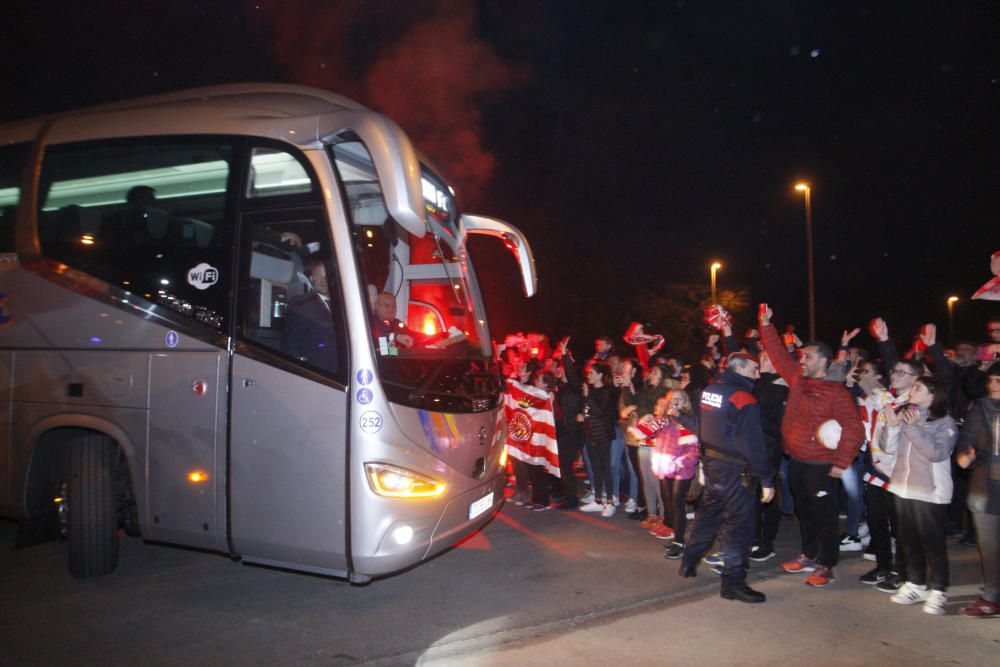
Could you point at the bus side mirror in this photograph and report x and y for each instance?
(511, 237)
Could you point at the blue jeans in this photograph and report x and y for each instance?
(618, 457)
(851, 479)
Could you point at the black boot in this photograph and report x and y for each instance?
(742, 593)
(639, 515)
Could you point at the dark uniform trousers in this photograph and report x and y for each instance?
(726, 503)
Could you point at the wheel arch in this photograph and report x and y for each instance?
(49, 460)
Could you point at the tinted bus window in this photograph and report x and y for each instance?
(290, 296)
(149, 217)
(11, 166)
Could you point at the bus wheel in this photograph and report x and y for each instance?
(92, 507)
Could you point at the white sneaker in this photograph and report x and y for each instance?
(850, 543)
(936, 603)
(615, 501)
(591, 507)
(910, 594)
(630, 506)
(587, 499)
(609, 510)
(863, 531)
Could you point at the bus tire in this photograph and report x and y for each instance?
(93, 515)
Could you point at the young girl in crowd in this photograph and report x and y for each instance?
(599, 417)
(634, 405)
(675, 462)
(922, 435)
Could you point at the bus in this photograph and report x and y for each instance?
(243, 319)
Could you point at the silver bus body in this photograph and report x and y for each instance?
(226, 441)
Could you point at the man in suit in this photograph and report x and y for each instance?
(310, 334)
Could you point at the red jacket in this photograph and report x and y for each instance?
(810, 403)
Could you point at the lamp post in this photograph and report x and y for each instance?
(951, 319)
(715, 267)
(804, 188)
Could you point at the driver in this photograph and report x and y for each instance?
(386, 324)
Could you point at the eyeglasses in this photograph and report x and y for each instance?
(900, 371)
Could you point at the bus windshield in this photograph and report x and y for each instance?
(427, 322)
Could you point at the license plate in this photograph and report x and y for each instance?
(481, 505)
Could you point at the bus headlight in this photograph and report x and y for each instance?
(394, 482)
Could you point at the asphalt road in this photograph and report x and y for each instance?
(527, 579)
(526, 574)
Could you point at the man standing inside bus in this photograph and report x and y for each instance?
(309, 331)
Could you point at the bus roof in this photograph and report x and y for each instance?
(282, 111)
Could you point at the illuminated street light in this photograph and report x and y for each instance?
(951, 319)
(805, 188)
(715, 267)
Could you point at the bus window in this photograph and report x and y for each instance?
(291, 302)
(11, 165)
(275, 172)
(148, 217)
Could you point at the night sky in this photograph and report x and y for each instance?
(632, 142)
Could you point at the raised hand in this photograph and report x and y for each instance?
(928, 334)
(847, 336)
(879, 329)
(764, 314)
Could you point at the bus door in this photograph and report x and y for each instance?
(289, 403)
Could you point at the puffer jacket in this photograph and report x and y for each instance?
(600, 415)
(923, 458)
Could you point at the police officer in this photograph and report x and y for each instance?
(732, 442)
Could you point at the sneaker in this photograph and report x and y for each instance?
(615, 501)
(538, 507)
(892, 583)
(863, 531)
(591, 507)
(823, 576)
(910, 593)
(630, 506)
(981, 608)
(870, 553)
(587, 499)
(568, 504)
(662, 532)
(673, 551)
(876, 576)
(714, 559)
(850, 543)
(936, 603)
(639, 514)
(761, 553)
(608, 511)
(651, 521)
(800, 564)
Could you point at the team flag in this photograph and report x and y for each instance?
(531, 426)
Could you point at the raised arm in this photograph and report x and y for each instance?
(787, 367)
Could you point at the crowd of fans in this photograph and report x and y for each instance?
(917, 459)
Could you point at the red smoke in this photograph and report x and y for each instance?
(419, 63)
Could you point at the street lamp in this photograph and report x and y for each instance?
(715, 267)
(951, 319)
(804, 187)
